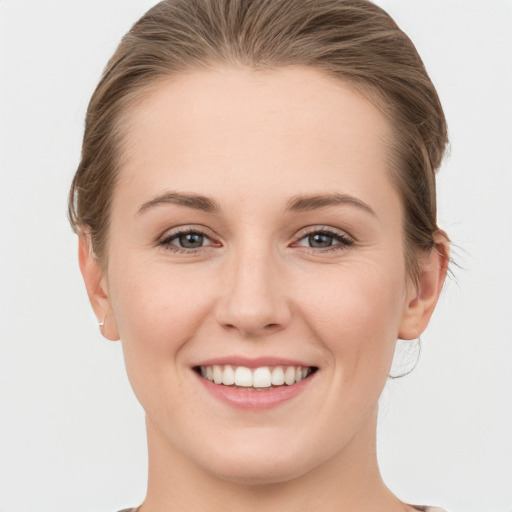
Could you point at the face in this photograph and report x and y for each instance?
(256, 238)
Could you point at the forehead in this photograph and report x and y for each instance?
(291, 127)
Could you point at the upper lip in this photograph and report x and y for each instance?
(256, 362)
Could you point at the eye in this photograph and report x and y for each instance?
(190, 240)
(325, 239)
(186, 241)
(320, 240)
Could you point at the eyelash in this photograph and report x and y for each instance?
(342, 239)
(166, 241)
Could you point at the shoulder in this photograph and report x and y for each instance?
(133, 510)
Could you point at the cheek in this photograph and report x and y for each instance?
(157, 309)
(356, 314)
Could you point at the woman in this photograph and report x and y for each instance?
(256, 214)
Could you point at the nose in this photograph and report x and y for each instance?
(253, 299)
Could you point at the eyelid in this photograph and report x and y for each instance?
(309, 230)
(184, 229)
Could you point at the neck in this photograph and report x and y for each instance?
(349, 481)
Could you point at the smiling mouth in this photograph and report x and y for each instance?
(255, 379)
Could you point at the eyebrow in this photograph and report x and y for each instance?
(194, 201)
(303, 203)
(300, 203)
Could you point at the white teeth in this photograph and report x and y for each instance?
(228, 376)
(289, 375)
(217, 374)
(277, 376)
(263, 377)
(243, 377)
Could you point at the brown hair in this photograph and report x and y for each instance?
(353, 40)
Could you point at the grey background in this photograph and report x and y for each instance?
(72, 434)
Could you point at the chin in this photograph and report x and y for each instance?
(259, 472)
(262, 463)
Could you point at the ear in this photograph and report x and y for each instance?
(96, 285)
(423, 298)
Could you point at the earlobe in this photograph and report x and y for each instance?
(96, 286)
(423, 299)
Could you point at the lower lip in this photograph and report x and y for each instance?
(243, 399)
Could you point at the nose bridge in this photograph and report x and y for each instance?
(253, 299)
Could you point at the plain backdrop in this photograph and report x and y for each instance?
(71, 432)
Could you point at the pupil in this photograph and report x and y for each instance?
(191, 240)
(320, 241)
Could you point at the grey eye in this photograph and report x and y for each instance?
(320, 240)
(323, 239)
(190, 240)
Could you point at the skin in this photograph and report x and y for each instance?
(252, 141)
